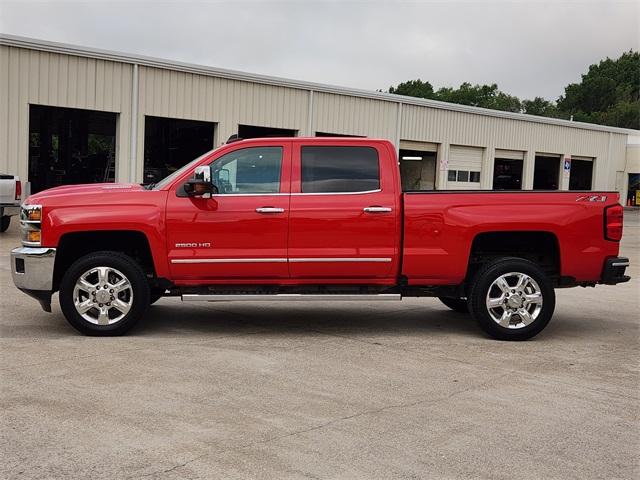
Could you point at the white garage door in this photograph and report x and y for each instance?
(465, 165)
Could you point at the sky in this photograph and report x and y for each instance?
(529, 48)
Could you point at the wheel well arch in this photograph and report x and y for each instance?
(74, 245)
(540, 247)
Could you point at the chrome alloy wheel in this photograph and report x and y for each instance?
(103, 295)
(514, 300)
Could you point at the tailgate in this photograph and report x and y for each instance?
(8, 190)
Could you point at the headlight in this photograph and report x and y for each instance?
(30, 220)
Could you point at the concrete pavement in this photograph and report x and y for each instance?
(316, 390)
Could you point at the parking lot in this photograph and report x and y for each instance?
(317, 390)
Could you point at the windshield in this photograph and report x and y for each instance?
(167, 180)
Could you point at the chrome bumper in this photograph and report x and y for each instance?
(32, 272)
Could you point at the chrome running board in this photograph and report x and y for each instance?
(291, 297)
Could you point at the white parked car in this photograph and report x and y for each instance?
(10, 193)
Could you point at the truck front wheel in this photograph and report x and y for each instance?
(512, 299)
(104, 294)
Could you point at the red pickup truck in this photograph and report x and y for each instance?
(292, 219)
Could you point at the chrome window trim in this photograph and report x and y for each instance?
(297, 194)
(248, 194)
(360, 192)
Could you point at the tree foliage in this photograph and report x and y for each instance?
(608, 94)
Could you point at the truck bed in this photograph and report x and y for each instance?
(440, 228)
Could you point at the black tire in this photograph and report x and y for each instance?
(114, 260)
(5, 221)
(483, 281)
(456, 304)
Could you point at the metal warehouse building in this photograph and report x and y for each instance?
(71, 114)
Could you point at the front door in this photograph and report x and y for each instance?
(240, 232)
(344, 217)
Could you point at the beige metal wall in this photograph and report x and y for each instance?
(35, 77)
(228, 103)
(66, 80)
(450, 127)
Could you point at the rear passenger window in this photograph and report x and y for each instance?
(339, 169)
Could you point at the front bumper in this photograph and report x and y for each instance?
(32, 272)
(613, 271)
(9, 210)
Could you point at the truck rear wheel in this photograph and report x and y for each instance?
(5, 221)
(456, 304)
(104, 294)
(512, 299)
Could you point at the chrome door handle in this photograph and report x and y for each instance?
(377, 209)
(269, 210)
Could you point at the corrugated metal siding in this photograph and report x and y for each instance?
(39, 77)
(167, 93)
(435, 125)
(509, 154)
(354, 116)
(418, 146)
(34, 77)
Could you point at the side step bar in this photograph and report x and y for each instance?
(291, 297)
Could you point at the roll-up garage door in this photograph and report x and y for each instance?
(465, 165)
(509, 154)
(418, 146)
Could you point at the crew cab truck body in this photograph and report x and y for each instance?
(10, 193)
(312, 218)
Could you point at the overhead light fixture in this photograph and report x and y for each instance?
(411, 158)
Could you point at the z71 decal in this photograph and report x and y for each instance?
(591, 198)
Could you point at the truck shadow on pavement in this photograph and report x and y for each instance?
(170, 317)
(301, 319)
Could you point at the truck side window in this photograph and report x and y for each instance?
(248, 170)
(327, 169)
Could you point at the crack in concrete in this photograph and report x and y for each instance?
(334, 421)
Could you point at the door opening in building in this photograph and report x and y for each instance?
(507, 174)
(546, 172)
(70, 146)
(170, 143)
(252, 131)
(581, 174)
(417, 170)
(633, 191)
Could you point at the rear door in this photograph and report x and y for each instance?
(343, 222)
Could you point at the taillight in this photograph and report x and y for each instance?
(18, 189)
(613, 222)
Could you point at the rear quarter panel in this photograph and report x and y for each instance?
(439, 230)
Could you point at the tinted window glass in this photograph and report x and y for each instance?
(339, 169)
(249, 170)
(463, 175)
(452, 176)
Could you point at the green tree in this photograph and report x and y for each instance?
(485, 96)
(609, 93)
(413, 88)
(541, 107)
